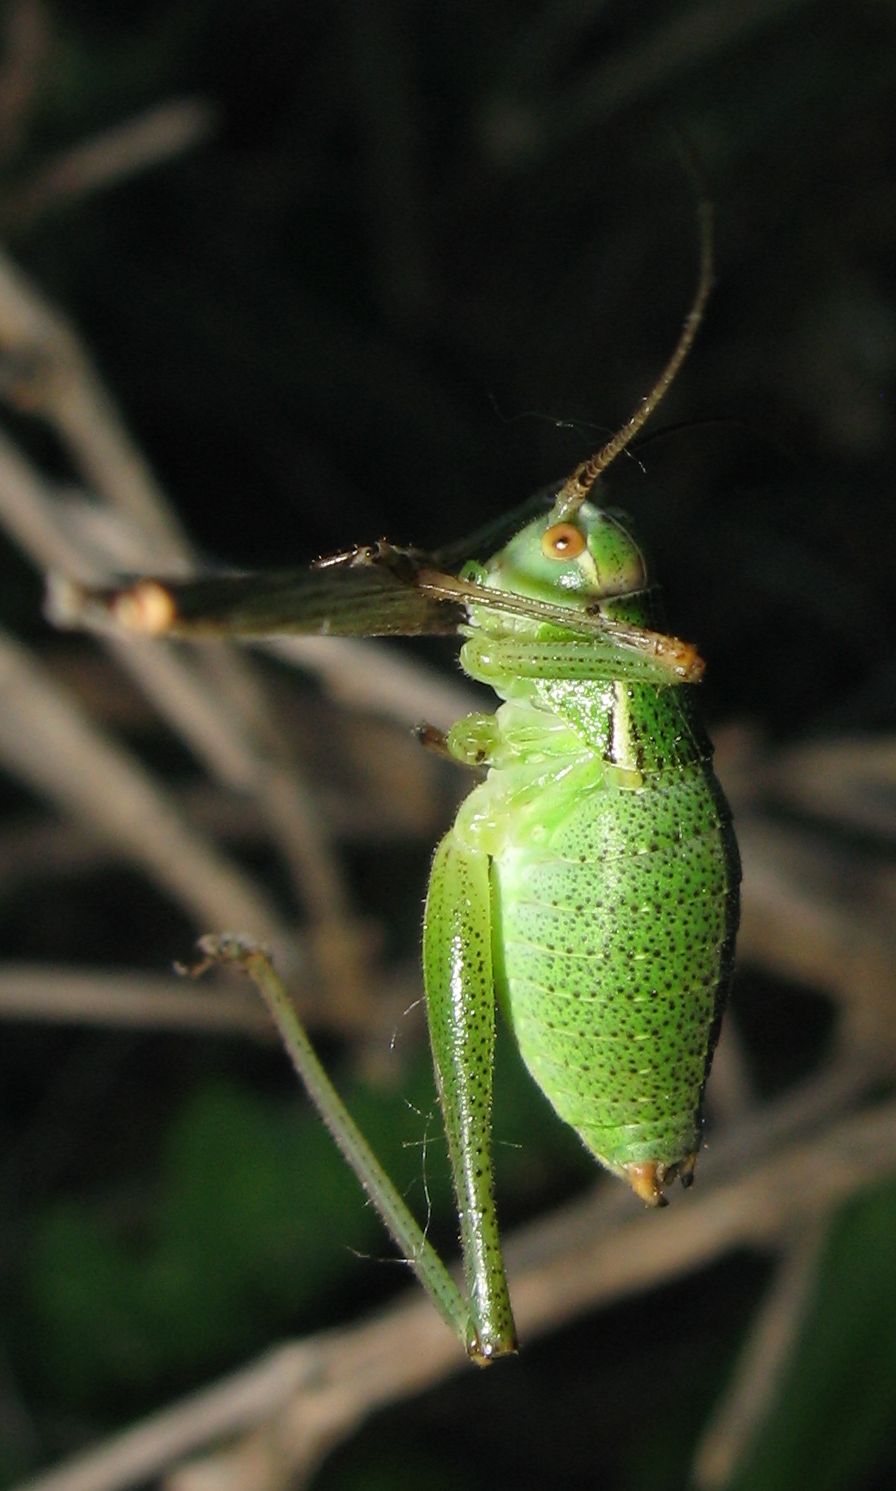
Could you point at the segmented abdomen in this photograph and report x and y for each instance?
(613, 944)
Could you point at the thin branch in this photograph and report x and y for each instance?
(26, 35)
(377, 679)
(72, 538)
(228, 729)
(54, 535)
(57, 380)
(137, 1000)
(81, 770)
(750, 1210)
(49, 373)
(764, 1358)
(817, 914)
(142, 1000)
(849, 781)
(314, 1394)
(244, 1398)
(115, 155)
(35, 848)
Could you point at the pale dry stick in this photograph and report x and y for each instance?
(297, 1402)
(41, 523)
(35, 847)
(139, 144)
(247, 754)
(26, 35)
(750, 1210)
(58, 381)
(257, 762)
(55, 994)
(68, 393)
(773, 1333)
(47, 742)
(185, 698)
(65, 537)
(819, 915)
(852, 781)
(730, 1100)
(375, 679)
(52, 535)
(69, 537)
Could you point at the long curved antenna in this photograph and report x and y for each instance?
(577, 486)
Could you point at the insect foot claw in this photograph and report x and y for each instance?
(646, 1180)
(223, 947)
(432, 739)
(483, 1352)
(686, 1170)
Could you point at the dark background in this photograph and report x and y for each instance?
(426, 258)
(417, 241)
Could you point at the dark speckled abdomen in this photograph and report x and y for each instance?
(613, 942)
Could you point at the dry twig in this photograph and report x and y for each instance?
(229, 721)
(26, 40)
(763, 1360)
(296, 1403)
(137, 1000)
(116, 155)
(82, 771)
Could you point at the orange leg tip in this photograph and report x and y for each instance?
(483, 1354)
(646, 1180)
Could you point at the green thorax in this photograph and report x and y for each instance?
(635, 727)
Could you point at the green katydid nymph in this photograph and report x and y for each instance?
(589, 883)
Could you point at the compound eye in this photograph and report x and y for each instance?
(563, 541)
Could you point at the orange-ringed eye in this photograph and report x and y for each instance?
(563, 541)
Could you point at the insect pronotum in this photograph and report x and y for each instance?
(589, 882)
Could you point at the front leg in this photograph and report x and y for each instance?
(460, 997)
(471, 741)
(660, 660)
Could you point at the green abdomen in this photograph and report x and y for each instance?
(613, 947)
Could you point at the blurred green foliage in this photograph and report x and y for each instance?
(246, 1220)
(233, 1248)
(837, 1403)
